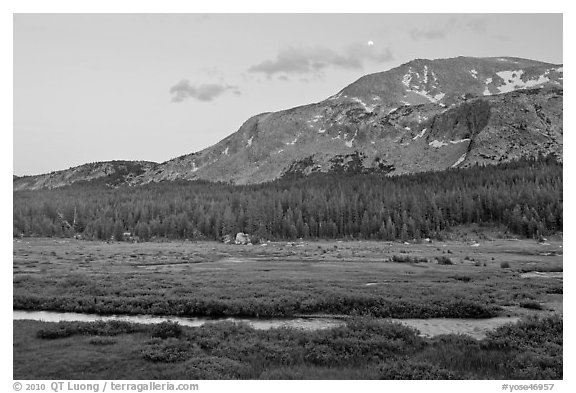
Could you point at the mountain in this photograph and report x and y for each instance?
(111, 173)
(421, 116)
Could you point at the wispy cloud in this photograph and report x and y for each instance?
(452, 25)
(431, 33)
(183, 90)
(312, 61)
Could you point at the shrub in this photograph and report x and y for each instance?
(504, 265)
(214, 368)
(529, 333)
(532, 305)
(443, 260)
(168, 350)
(167, 329)
(408, 259)
(462, 354)
(543, 269)
(408, 369)
(99, 328)
(468, 309)
(555, 290)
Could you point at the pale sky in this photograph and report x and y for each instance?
(99, 87)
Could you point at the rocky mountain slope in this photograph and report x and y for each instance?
(421, 116)
(111, 173)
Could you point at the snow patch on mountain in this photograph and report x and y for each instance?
(249, 143)
(513, 81)
(366, 107)
(420, 87)
(420, 135)
(474, 74)
(460, 141)
(426, 94)
(459, 161)
(407, 78)
(436, 143)
(225, 152)
(294, 141)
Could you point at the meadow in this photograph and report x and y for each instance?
(361, 278)
(361, 282)
(363, 349)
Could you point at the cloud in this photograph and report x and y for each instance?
(183, 90)
(306, 60)
(501, 37)
(432, 33)
(475, 24)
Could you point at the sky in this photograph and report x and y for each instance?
(99, 87)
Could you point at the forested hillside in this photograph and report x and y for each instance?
(525, 196)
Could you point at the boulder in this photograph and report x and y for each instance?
(242, 238)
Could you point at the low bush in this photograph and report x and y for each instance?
(212, 367)
(535, 346)
(504, 265)
(468, 309)
(531, 305)
(408, 369)
(363, 348)
(463, 355)
(100, 328)
(408, 259)
(168, 350)
(529, 333)
(555, 290)
(444, 260)
(167, 329)
(543, 269)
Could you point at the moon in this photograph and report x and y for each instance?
(370, 43)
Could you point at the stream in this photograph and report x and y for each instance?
(476, 328)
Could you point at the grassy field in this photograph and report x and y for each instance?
(363, 349)
(377, 279)
(361, 281)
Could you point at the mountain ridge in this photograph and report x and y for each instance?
(422, 115)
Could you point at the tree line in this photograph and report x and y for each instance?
(525, 196)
